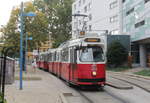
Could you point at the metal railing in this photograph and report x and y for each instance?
(4, 65)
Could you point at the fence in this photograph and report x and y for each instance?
(7, 69)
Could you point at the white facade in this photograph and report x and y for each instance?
(102, 15)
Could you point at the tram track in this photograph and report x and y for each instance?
(118, 98)
(106, 94)
(133, 84)
(138, 82)
(85, 94)
(85, 97)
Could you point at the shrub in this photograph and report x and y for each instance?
(116, 54)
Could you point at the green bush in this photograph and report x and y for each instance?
(117, 54)
(143, 73)
(1, 100)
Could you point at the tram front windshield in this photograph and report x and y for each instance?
(92, 54)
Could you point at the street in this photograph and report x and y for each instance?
(48, 88)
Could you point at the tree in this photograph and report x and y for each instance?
(117, 54)
(53, 20)
(36, 27)
(59, 18)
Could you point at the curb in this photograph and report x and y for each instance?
(63, 97)
(69, 98)
(117, 87)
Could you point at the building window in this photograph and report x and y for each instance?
(80, 3)
(75, 7)
(90, 27)
(113, 4)
(145, 1)
(123, 1)
(85, 28)
(139, 24)
(79, 22)
(89, 6)
(85, 9)
(114, 19)
(83, 1)
(130, 11)
(90, 17)
(75, 24)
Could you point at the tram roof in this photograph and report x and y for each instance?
(79, 40)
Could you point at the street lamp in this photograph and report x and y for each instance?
(21, 39)
(82, 15)
(31, 14)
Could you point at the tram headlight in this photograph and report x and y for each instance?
(94, 73)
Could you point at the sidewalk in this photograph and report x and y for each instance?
(37, 88)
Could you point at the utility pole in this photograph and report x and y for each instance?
(21, 44)
(22, 14)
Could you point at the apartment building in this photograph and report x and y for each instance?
(136, 22)
(101, 15)
(131, 17)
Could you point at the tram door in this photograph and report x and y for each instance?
(73, 64)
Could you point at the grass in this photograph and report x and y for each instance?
(118, 69)
(1, 99)
(143, 73)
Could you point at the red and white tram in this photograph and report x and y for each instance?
(80, 62)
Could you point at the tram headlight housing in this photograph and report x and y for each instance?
(94, 73)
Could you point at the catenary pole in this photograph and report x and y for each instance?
(21, 45)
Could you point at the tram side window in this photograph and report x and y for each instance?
(54, 57)
(40, 57)
(45, 57)
(57, 57)
(72, 55)
(65, 55)
(37, 58)
(50, 57)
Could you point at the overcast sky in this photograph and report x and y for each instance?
(5, 9)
